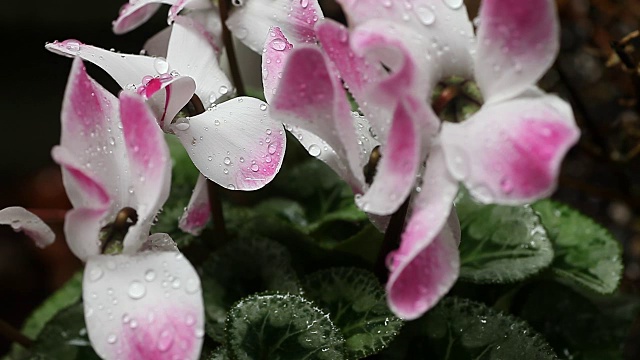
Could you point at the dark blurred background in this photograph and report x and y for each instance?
(599, 177)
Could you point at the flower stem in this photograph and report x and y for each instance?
(391, 241)
(14, 335)
(228, 44)
(217, 214)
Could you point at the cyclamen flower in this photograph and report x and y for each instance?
(509, 152)
(145, 301)
(249, 22)
(234, 143)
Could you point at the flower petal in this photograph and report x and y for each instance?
(22, 220)
(396, 172)
(251, 22)
(125, 69)
(198, 212)
(517, 42)
(143, 306)
(187, 39)
(235, 144)
(311, 97)
(158, 44)
(179, 5)
(426, 265)
(149, 164)
(166, 96)
(82, 231)
(136, 13)
(510, 152)
(274, 57)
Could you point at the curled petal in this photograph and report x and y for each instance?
(235, 144)
(158, 44)
(274, 56)
(143, 306)
(396, 172)
(136, 13)
(81, 184)
(517, 42)
(251, 22)
(82, 231)
(188, 38)
(166, 96)
(426, 265)
(311, 97)
(198, 212)
(179, 5)
(510, 152)
(149, 164)
(22, 220)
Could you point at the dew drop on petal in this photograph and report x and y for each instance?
(314, 150)
(150, 275)
(112, 338)
(95, 274)
(137, 290)
(165, 341)
(278, 44)
(223, 90)
(454, 4)
(161, 65)
(254, 167)
(272, 149)
(227, 160)
(263, 107)
(425, 15)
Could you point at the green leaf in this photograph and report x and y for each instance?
(585, 252)
(281, 327)
(462, 329)
(500, 244)
(577, 327)
(241, 268)
(65, 337)
(219, 353)
(356, 304)
(365, 244)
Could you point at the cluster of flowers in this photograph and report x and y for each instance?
(142, 298)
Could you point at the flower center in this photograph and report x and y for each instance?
(371, 167)
(112, 235)
(455, 99)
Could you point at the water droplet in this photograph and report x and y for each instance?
(314, 150)
(161, 65)
(112, 141)
(254, 167)
(263, 107)
(95, 274)
(137, 290)
(112, 338)
(210, 158)
(304, 3)
(425, 15)
(193, 285)
(182, 126)
(278, 44)
(165, 340)
(454, 4)
(227, 160)
(223, 90)
(150, 275)
(272, 149)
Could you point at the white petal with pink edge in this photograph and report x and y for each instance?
(510, 152)
(180, 5)
(22, 220)
(426, 265)
(235, 144)
(149, 164)
(250, 23)
(143, 306)
(186, 40)
(198, 212)
(135, 13)
(517, 43)
(275, 53)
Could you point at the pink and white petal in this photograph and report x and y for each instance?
(188, 38)
(438, 30)
(397, 171)
(311, 97)
(82, 231)
(511, 152)
(274, 57)
(166, 95)
(426, 265)
(159, 242)
(149, 164)
(250, 23)
(136, 13)
(208, 23)
(82, 186)
(22, 220)
(235, 144)
(90, 128)
(355, 70)
(517, 42)
(198, 212)
(143, 306)
(180, 5)
(158, 44)
(426, 278)
(125, 69)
